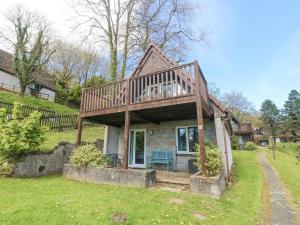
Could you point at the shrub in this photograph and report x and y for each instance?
(250, 146)
(20, 135)
(235, 143)
(88, 155)
(213, 161)
(6, 168)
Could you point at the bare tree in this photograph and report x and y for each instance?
(28, 35)
(64, 63)
(103, 17)
(128, 26)
(238, 104)
(73, 65)
(168, 23)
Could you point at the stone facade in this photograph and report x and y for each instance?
(139, 178)
(163, 137)
(43, 164)
(212, 186)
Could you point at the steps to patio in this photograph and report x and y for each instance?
(172, 181)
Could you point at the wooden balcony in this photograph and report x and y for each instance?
(165, 88)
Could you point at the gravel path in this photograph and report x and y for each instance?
(280, 212)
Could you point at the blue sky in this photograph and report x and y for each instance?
(254, 47)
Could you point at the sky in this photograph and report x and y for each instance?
(253, 46)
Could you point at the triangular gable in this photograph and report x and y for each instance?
(153, 60)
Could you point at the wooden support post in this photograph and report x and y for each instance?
(226, 151)
(200, 123)
(126, 127)
(79, 131)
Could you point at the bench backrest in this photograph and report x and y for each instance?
(162, 155)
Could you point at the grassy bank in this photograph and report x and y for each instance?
(54, 200)
(289, 171)
(35, 102)
(89, 134)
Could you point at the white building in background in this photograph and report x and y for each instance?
(44, 86)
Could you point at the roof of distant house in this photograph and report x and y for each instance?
(6, 64)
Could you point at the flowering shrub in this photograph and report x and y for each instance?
(213, 161)
(88, 155)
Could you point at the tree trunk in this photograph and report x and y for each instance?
(273, 146)
(22, 91)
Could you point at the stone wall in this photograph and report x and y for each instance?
(163, 137)
(42, 164)
(139, 178)
(212, 186)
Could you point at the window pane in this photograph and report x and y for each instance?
(139, 147)
(131, 148)
(193, 138)
(181, 139)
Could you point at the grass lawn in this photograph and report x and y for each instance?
(89, 134)
(54, 200)
(289, 172)
(36, 102)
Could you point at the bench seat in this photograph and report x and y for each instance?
(161, 156)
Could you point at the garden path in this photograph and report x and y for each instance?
(278, 210)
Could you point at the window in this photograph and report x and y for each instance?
(186, 138)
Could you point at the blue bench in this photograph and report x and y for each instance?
(162, 157)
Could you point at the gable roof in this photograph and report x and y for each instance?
(153, 60)
(6, 65)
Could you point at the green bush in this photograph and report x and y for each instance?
(235, 143)
(20, 134)
(213, 161)
(88, 156)
(6, 168)
(250, 146)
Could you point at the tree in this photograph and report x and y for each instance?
(271, 116)
(168, 23)
(28, 36)
(127, 27)
(72, 65)
(238, 104)
(291, 111)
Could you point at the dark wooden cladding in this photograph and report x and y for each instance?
(175, 82)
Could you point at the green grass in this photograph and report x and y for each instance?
(289, 171)
(36, 102)
(55, 200)
(89, 134)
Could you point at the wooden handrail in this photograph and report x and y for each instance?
(168, 83)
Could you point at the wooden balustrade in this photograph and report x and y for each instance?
(104, 96)
(164, 84)
(173, 82)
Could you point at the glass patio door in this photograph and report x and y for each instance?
(137, 148)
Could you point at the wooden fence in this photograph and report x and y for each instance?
(60, 121)
(51, 119)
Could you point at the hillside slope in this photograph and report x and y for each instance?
(35, 102)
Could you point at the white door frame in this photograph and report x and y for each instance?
(134, 165)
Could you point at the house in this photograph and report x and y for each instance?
(44, 86)
(162, 106)
(260, 138)
(242, 131)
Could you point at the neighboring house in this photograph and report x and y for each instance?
(260, 138)
(162, 106)
(44, 86)
(243, 131)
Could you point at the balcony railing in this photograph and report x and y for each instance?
(170, 83)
